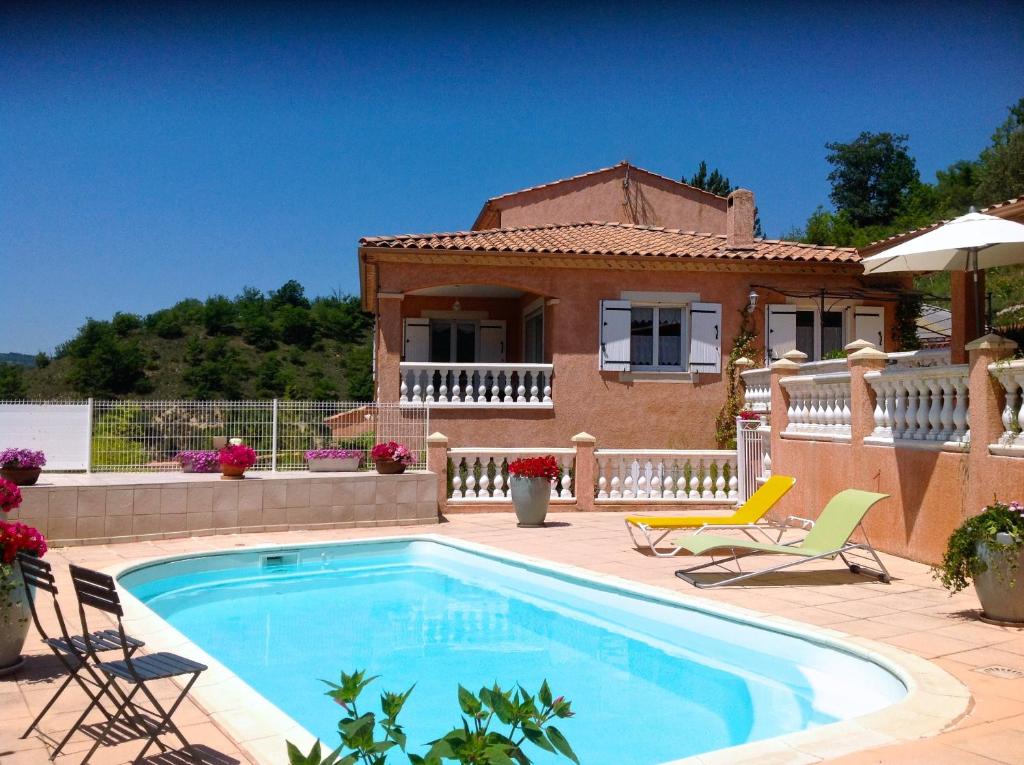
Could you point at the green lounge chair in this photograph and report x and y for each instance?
(829, 537)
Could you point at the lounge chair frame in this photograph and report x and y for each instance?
(96, 590)
(845, 553)
(69, 649)
(749, 529)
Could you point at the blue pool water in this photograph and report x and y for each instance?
(649, 681)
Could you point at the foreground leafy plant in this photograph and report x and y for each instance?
(962, 561)
(527, 719)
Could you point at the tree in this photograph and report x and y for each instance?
(12, 382)
(126, 323)
(103, 364)
(219, 315)
(291, 293)
(296, 325)
(359, 373)
(215, 370)
(1001, 171)
(871, 177)
(714, 182)
(42, 360)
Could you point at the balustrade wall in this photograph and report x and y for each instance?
(476, 385)
(928, 406)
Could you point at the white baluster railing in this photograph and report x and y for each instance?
(666, 475)
(481, 474)
(819, 406)
(921, 406)
(1010, 375)
(757, 391)
(476, 385)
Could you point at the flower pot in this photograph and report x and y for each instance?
(14, 618)
(231, 472)
(21, 476)
(999, 601)
(530, 497)
(389, 467)
(333, 464)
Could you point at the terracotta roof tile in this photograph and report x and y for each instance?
(597, 238)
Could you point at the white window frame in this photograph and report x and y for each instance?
(684, 338)
(536, 308)
(844, 307)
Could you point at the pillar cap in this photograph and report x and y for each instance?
(584, 438)
(991, 342)
(858, 345)
(868, 354)
(743, 361)
(784, 365)
(794, 355)
(437, 438)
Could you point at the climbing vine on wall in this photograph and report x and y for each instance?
(743, 345)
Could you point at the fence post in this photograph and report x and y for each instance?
(273, 437)
(584, 463)
(437, 463)
(88, 440)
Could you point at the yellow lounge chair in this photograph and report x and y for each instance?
(745, 518)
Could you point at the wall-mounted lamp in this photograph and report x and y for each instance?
(456, 306)
(752, 301)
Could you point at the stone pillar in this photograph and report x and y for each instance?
(585, 470)
(437, 463)
(962, 299)
(389, 346)
(984, 410)
(862, 399)
(780, 399)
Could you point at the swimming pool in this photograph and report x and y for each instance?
(650, 681)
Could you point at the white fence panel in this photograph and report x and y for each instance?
(60, 429)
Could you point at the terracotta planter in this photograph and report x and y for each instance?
(530, 498)
(334, 464)
(999, 601)
(389, 467)
(21, 476)
(231, 473)
(15, 621)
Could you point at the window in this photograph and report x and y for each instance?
(816, 333)
(452, 341)
(533, 332)
(656, 337)
(832, 333)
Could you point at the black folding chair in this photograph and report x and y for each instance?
(69, 649)
(96, 590)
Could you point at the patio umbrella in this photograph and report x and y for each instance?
(971, 243)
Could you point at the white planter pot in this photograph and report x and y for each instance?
(333, 464)
(999, 601)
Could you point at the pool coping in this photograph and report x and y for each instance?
(934, 700)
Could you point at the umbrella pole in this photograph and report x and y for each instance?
(979, 330)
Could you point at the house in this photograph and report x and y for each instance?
(607, 303)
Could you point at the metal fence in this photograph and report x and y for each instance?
(146, 435)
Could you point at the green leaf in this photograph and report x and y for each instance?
(545, 694)
(497, 755)
(502, 706)
(535, 735)
(296, 757)
(558, 740)
(469, 703)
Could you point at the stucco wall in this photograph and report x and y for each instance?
(651, 201)
(648, 414)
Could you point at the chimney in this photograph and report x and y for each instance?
(739, 220)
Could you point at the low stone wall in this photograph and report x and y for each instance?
(131, 507)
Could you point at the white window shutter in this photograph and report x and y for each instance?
(869, 324)
(416, 346)
(706, 337)
(492, 341)
(613, 354)
(781, 331)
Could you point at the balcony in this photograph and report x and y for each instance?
(476, 386)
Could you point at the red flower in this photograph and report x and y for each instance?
(10, 495)
(534, 467)
(15, 537)
(237, 455)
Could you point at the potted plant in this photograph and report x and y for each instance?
(198, 461)
(530, 480)
(14, 614)
(391, 458)
(21, 466)
(337, 460)
(235, 459)
(988, 549)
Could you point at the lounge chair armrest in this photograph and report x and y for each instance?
(804, 523)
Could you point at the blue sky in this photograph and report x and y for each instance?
(152, 154)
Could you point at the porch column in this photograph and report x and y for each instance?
(962, 299)
(437, 463)
(984, 409)
(584, 443)
(389, 346)
(862, 405)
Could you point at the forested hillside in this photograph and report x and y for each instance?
(256, 345)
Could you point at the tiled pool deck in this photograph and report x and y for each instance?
(912, 614)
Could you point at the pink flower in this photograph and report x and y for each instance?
(10, 495)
